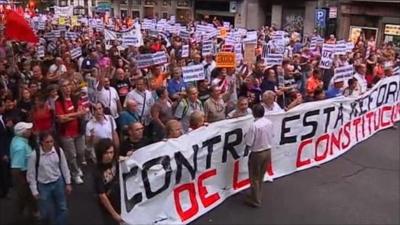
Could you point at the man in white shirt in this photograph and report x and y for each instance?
(109, 97)
(259, 142)
(101, 126)
(269, 103)
(56, 70)
(361, 70)
(144, 100)
(209, 65)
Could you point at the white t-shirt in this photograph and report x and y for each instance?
(145, 101)
(274, 109)
(109, 98)
(61, 69)
(362, 82)
(102, 129)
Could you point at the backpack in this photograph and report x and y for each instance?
(37, 151)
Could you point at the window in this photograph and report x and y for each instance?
(149, 2)
(165, 15)
(135, 14)
(136, 2)
(166, 2)
(123, 2)
(124, 13)
(184, 3)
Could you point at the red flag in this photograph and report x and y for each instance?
(18, 29)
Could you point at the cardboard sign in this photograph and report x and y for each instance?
(74, 21)
(250, 52)
(226, 60)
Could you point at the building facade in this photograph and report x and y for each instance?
(378, 20)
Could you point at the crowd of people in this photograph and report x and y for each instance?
(51, 128)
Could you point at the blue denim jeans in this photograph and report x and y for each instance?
(49, 194)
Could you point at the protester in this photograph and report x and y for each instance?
(242, 108)
(269, 103)
(135, 139)
(107, 181)
(259, 141)
(214, 107)
(101, 126)
(186, 106)
(49, 179)
(173, 129)
(197, 120)
(69, 112)
(20, 150)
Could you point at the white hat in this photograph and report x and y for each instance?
(21, 127)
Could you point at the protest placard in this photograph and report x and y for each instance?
(250, 52)
(40, 51)
(207, 48)
(225, 60)
(147, 60)
(76, 52)
(327, 54)
(193, 73)
(130, 40)
(343, 73)
(273, 59)
(185, 51)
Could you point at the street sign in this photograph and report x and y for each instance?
(320, 18)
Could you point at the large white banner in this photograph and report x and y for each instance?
(65, 11)
(178, 180)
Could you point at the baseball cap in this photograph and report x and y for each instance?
(21, 127)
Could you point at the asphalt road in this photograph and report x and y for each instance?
(360, 187)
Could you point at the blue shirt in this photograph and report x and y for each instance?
(175, 86)
(333, 92)
(20, 151)
(127, 118)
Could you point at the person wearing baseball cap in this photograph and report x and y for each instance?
(20, 150)
(336, 89)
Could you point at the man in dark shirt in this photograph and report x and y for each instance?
(134, 141)
(121, 84)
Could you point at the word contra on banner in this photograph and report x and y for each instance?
(226, 60)
(176, 181)
(193, 73)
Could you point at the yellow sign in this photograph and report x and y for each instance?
(226, 60)
(250, 53)
(392, 29)
(74, 21)
(62, 20)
